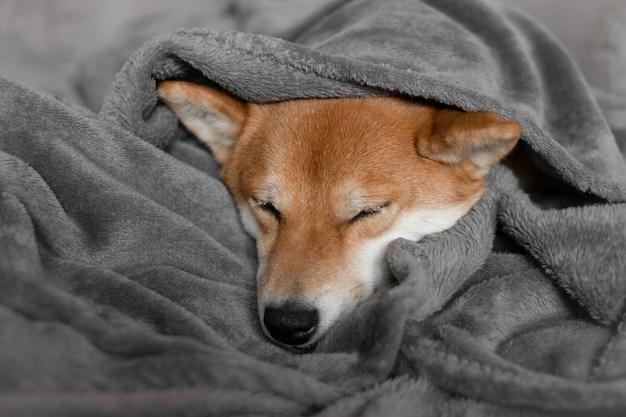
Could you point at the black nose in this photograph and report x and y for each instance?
(291, 323)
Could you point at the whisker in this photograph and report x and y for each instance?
(441, 229)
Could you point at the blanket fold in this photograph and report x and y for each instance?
(127, 281)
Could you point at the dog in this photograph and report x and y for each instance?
(324, 185)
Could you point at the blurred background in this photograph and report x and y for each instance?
(54, 45)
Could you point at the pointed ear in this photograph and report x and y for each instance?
(214, 117)
(481, 138)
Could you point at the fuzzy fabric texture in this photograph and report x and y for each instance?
(127, 282)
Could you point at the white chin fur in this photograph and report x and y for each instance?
(371, 258)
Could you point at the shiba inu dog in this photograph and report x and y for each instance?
(324, 185)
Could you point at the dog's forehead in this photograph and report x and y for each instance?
(335, 136)
(320, 188)
(354, 148)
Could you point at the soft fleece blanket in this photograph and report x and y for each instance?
(127, 282)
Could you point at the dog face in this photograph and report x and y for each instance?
(324, 185)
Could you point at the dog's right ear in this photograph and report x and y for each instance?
(214, 117)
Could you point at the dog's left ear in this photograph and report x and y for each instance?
(213, 116)
(481, 138)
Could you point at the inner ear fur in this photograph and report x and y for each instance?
(216, 118)
(456, 137)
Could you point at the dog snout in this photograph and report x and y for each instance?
(291, 323)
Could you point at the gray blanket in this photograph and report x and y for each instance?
(127, 282)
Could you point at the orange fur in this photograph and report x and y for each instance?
(302, 171)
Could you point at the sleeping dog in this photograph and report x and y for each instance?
(324, 185)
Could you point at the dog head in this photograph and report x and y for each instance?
(324, 185)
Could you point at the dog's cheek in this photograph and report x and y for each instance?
(371, 265)
(249, 222)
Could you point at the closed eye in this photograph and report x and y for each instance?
(368, 213)
(269, 208)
